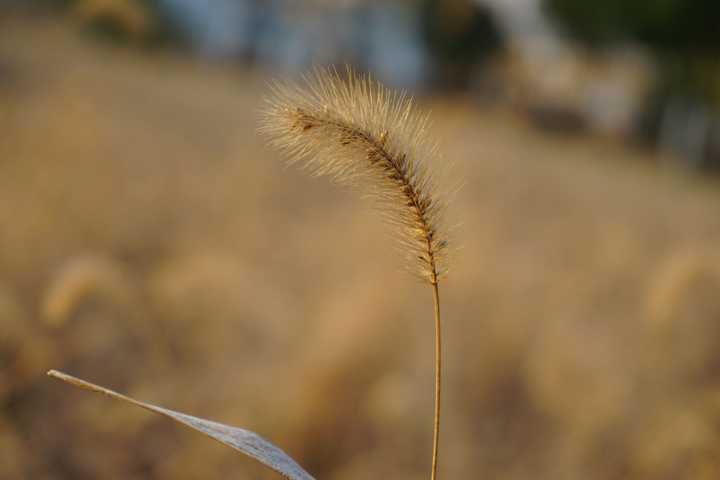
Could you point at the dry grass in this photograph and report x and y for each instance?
(359, 133)
(148, 169)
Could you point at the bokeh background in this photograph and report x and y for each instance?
(150, 242)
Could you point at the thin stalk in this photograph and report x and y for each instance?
(438, 374)
(361, 134)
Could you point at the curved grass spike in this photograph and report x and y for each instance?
(359, 133)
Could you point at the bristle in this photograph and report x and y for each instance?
(361, 134)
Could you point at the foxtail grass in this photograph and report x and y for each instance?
(359, 133)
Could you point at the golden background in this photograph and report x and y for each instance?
(151, 243)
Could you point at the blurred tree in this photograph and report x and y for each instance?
(458, 35)
(143, 22)
(682, 34)
(663, 25)
(684, 38)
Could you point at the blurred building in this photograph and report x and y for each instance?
(293, 36)
(406, 44)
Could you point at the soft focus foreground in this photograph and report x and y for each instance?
(150, 242)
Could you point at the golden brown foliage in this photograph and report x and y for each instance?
(560, 367)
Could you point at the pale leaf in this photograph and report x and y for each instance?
(247, 442)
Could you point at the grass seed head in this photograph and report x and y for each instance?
(361, 134)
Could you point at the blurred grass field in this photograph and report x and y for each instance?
(150, 242)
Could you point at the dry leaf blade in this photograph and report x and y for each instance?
(245, 441)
